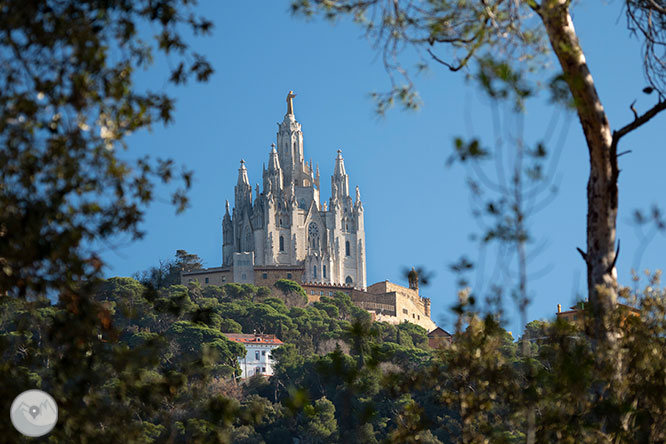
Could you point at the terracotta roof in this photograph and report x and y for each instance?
(253, 339)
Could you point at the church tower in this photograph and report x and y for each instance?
(287, 227)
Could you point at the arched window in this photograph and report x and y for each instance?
(349, 280)
(313, 235)
(323, 271)
(281, 243)
(347, 249)
(314, 271)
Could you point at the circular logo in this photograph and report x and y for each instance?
(34, 413)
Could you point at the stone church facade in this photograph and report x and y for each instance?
(284, 231)
(286, 225)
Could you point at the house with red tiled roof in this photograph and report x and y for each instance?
(257, 360)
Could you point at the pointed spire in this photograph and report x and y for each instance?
(242, 174)
(339, 165)
(273, 160)
(358, 195)
(226, 207)
(317, 177)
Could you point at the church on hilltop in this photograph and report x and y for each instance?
(284, 231)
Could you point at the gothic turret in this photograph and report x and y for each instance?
(339, 181)
(243, 190)
(357, 202)
(273, 175)
(227, 236)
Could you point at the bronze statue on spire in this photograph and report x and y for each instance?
(290, 102)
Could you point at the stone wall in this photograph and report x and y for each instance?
(210, 276)
(408, 305)
(315, 290)
(268, 276)
(381, 304)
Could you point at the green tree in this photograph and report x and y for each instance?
(68, 101)
(292, 292)
(168, 272)
(317, 422)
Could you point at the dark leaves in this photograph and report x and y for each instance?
(465, 151)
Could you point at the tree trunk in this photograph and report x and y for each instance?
(602, 191)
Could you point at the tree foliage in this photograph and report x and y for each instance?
(67, 102)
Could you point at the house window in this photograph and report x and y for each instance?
(206, 280)
(263, 353)
(321, 293)
(256, 355)
(264, 275)
(347, 249)
(349, 280)
(243, 276)
(281, 241)
(224, 279)
(419, 317)
(404, 310)
(314, 271)
(330, 293)
(323, 271)
(258, 371)
(311, 291)
(288, 275)
(263, 369)
(413, 316)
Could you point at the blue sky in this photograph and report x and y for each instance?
(417, 210)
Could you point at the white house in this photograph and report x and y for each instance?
(258, 358)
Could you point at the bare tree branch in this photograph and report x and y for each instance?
(639, 121)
